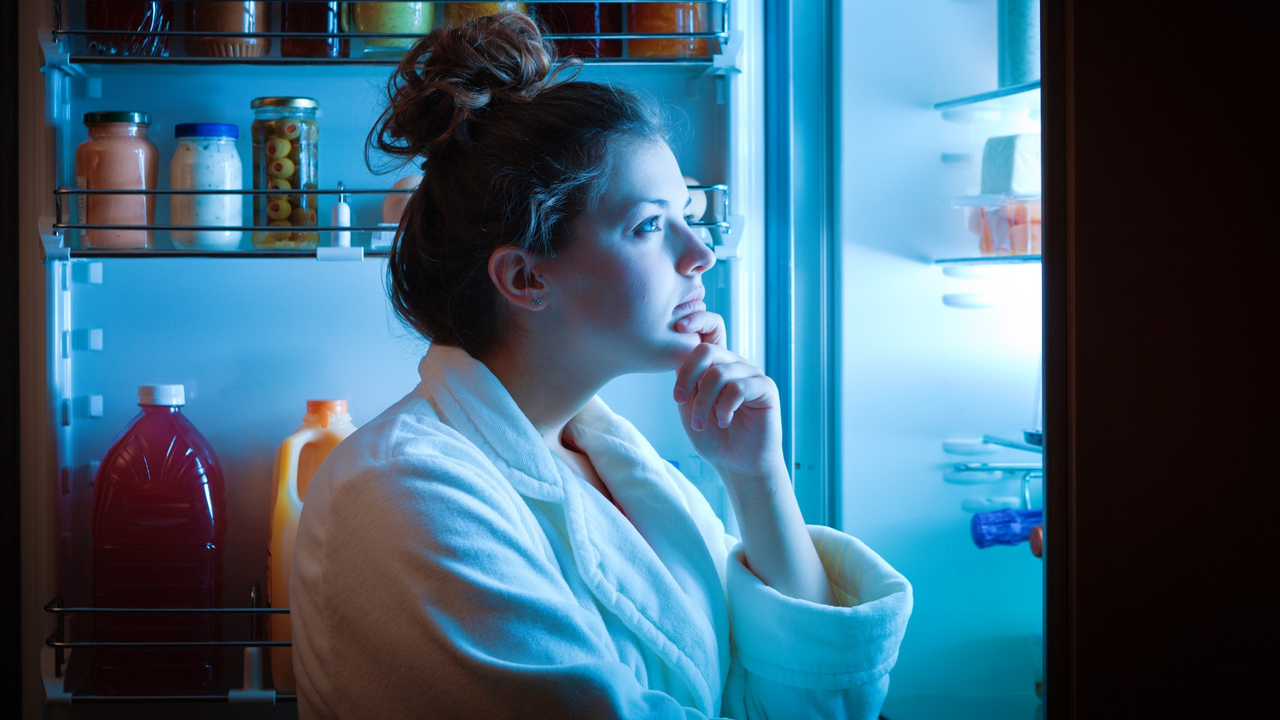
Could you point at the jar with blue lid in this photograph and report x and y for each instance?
(206, 159)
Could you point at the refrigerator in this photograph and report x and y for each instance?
(839, 145)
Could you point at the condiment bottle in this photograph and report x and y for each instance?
(206, 159)
(228, 17)
(312, 17)
(676, 17)
(158, 525)
(117, 156)
(285, 158)
(584, 19)
(326, 424)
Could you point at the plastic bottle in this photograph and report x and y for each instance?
(324, 426)
(158, 524)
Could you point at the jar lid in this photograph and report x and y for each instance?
(293, 102)
(226, 130)
(117, 116)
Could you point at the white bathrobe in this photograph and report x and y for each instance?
(449, 565)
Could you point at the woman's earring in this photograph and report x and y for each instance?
(537, 301)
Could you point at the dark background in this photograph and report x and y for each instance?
(1160, 368)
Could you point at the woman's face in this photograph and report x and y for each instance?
(632, 270)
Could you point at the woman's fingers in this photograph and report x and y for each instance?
(687, 377)
(721, 390)
(708, 325)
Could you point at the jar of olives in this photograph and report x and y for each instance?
(285, 158)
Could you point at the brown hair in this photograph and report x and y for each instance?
(512, 156)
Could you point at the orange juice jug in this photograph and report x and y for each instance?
(325, 425)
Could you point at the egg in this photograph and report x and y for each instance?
(394, 204)
(698, 205)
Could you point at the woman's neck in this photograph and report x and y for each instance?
(548, 389)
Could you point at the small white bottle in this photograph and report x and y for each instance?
(206, 159)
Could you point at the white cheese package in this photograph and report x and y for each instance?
(1011, 165)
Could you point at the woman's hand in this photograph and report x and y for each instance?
(729, 407)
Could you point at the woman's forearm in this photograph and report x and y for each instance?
(775, 541)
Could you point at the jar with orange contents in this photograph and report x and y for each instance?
(677, 17)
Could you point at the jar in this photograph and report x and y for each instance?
(459, 13)
(678, 17)
(134, 17)
(586, 19)
(285, 158)
(412, 18)
(312, 17)
(231, 17)
(117, 156)
(206, 159)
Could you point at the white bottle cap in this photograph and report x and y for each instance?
(162, 395)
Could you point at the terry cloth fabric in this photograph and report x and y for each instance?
(449, 565)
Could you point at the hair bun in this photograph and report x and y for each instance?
(454, 75)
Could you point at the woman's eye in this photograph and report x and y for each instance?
(650, 225)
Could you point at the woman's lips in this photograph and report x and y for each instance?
(692, 305)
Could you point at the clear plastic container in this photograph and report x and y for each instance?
(1010, 226)
(285, 158)
(159, 520)
(206, 159)
(117, 156)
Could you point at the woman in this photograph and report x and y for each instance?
(499, 544)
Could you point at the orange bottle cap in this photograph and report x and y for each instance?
(326, 410)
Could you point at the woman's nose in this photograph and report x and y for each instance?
(696, 256)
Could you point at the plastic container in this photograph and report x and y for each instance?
(285, 158)
(414, 19)
(136, 17)
(326, 424)
(681, 17)
(228, 17)
(117, 156)
(458, 13)
(1008, 226)
(206, 159)
(585, 19)
(158, 525)
(1004, 527)
(313, 17)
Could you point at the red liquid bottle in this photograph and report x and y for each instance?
(587, 19)
(158, 524)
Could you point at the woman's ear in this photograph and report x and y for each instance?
(512, 272)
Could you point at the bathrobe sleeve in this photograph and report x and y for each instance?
(441, 601)
(792, 658)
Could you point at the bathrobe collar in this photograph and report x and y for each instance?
(654, 572)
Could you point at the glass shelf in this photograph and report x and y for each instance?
(1026, 95)
(990, 260)
(69, 36)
